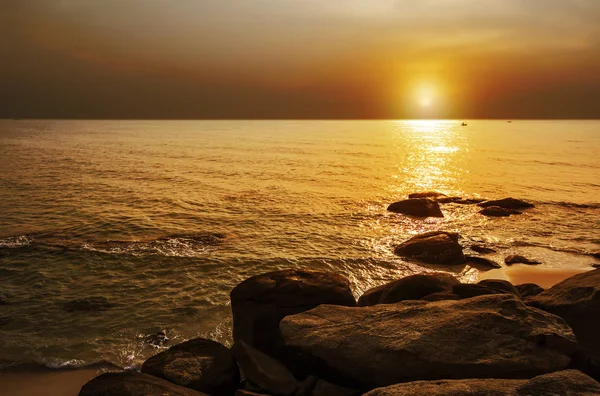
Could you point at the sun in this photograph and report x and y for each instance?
(425, 102)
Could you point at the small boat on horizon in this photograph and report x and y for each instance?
(509, 121)
(463, 124)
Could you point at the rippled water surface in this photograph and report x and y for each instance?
(156, 221)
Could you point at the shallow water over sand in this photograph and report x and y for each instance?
(162, 218)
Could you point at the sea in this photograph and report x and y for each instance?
(119, 239)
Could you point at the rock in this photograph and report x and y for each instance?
(497, 211)
(482, 249)
(596, 255)
(500, 284)
(445, 200)
(567, 382)
(412, 287)
(246, 392)
(436, 247)
(314, 386)
(131, 383)
(482, 261)
(260, 302)
(89, 304)
(440, 296)
(487, 336)
(427, 194)
(507, 203)
(468, 290)
(199, 364)
(264, 371)
(418, 207)
(155, 337)
(595, 265)
(518, 259)
(529, 290)
(577, 301)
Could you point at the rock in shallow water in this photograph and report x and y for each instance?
(260, 302)
(412, 287)
(518, 259)
(497, 211)
(427, 194)
(487, 336)
(507, 203)
(132, 383)
(577, 301)
(567, 382)
(482, 262)
(199, 364)
(435, 247)
(418, 207)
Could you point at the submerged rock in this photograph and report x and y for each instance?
(497, 211)
(262, 370)
(89, 304)
(199, 364)
(529, 290)
(487, 336)
(507, 203)
(131, 383)
(518, 259)
(412, 287)
(436, 247)
(260, 302)
(482, 261)
(427, 194)
(577, 301)
(418, 207)
(567, 382)
(482, 249)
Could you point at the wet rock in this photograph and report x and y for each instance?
(595, 265)
(469, 290)
(529, 290)
(427, 194)
(260, 302)
(507, 203)
(482, 249)
(132, 383)
(497, 211)
(418, 207)
(313, 386)
(482, 262)
(567, 382)
(596, 255)
(412, 287)
(577, 301)
(441, 296)
(487, 336)
(500, 284)
(156, 338)
(436, 247)
(89, 304)
(518, 259)
(264, 371)
(246, 392)
(199, 364)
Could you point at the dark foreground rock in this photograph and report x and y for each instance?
(418, 207)
(266, 373)
(500, 284)
(576, 300)
(488, 336)
(507, 203)
(567, 382)
(412, 287)
(497, 211)
(260, 302)
(441, 296)
(518, 259)
(436, 247)
(132, 383)
(199, 364)
(314, 386)
(469, 290)
(529, 290)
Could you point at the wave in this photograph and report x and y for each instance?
(591, 205)
(16, 241)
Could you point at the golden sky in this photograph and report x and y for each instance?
(300, 58)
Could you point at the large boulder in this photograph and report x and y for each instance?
(507, 203)
(567, 382)
(435, 247)
(199, 364)
(412, 287)
(497, 211)
(500, 284)
(529, 289)
(260, 302)
(131, 383)
(266, 373)
(469, 290)
(518, 259)
(418, 207)
(488, 336)
(577, 301)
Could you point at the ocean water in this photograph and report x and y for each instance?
(159, 220)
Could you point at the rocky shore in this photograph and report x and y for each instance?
(302, 332)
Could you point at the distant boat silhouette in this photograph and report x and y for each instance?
(463, 124)
(509, 121)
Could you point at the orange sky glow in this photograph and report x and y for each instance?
(300, 59)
